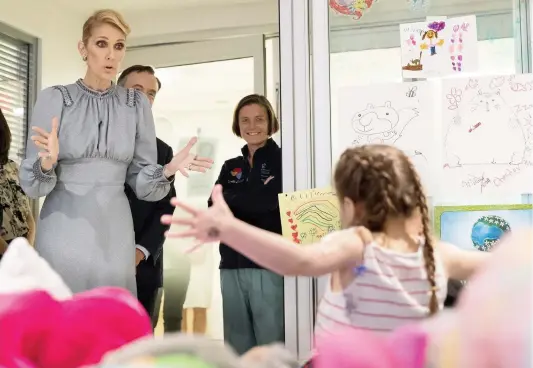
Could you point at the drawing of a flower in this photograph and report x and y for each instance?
(454, 97)
(472, 84)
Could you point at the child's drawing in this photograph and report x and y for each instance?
(430, 38)
(399, 114)
(475, 135)
(486, 134)
(354, 8)
(520, 86)
(472, 84)
(456, 45)
(480, 227)
(439, 48)
(308, 215)
(381, 124)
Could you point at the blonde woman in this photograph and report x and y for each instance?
(89, 138)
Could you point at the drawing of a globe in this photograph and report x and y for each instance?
(487, 231)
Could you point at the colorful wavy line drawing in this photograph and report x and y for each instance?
(354, 8)
(319, 213)
(309, 215)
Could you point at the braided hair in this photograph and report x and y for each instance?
(385, 182)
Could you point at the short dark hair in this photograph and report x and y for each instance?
(273, 124)
(137, 69)
(5, 139)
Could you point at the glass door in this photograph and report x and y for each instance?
(201, 83)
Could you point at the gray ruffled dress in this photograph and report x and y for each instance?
(106, 139)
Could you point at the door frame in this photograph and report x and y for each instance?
(179, 54)
(187, 53)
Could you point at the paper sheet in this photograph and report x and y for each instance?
(308, 215)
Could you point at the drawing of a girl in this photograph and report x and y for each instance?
(432, 35)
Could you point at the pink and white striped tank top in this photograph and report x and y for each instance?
(392, 291)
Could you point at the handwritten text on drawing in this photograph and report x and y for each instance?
(497, 180)
(304, 195)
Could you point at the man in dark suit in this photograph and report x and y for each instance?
(149, 232)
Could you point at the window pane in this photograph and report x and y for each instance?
(14, 67)
(199, 99)
(366, 51)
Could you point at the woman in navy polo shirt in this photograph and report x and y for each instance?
(252, 297)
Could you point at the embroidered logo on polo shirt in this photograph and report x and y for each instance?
(265, 172)
(237, 172)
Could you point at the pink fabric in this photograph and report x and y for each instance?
(39, 331)
(490, 328)
(494, 312)
(351, 348)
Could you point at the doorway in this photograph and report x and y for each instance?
(201, 83)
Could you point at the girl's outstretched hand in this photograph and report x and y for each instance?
(204, 225)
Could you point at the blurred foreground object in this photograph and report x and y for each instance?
(194, 351)
(490, 327)
(44, 326)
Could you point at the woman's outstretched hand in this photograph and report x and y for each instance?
(184, 161)
(204, 225)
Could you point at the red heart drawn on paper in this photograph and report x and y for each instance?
(291, 221)
(288, 213)
(295, 235)
(297, 241)
(294, 227)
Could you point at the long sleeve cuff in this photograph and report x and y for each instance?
(45, 177)
(144, 250)
(159, 174)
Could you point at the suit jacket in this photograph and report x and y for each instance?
(149, 232)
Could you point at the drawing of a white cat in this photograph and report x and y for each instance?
(485, 131)
(381, 124)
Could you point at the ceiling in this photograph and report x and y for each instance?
(139, 5)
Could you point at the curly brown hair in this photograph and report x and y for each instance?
(385, 182)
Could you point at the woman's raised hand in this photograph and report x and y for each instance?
(48, 143)
(184, 161)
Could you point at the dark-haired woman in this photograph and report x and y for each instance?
(252, 297)
(17, 219)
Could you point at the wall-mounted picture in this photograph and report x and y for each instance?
(480, 227)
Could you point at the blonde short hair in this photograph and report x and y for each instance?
(104, 16)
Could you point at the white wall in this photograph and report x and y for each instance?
(59, 31)
(195, 23)
(59, 28)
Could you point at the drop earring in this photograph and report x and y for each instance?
(84, 58)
